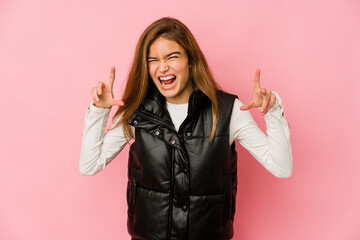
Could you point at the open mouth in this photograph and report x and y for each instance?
(167, 80)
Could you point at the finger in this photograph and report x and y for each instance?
(112, 77)
(94, 95)
(246, 106)
(99, 87)
(118, 102)
(257, 79)
(271, 103)
(263, 91)
(264, 104)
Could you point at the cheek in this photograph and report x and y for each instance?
(152, 70)
(185, 70)
(181, 68)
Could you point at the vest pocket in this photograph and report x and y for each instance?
(131, 191)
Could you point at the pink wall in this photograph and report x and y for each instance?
(52, 54)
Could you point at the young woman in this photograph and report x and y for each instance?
(182, 175)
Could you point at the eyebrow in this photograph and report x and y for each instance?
(168, 55)
(173, 53)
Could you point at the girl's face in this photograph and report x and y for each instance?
(169, 70)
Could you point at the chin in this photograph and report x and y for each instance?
(168, 94)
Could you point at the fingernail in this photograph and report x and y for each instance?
(261, 110)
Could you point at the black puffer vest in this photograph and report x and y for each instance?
(180, 185)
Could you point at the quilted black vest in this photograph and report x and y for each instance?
(180, 185)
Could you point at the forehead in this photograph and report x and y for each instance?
(162, 46)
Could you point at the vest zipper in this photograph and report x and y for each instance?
(149, 116)
(171, 194)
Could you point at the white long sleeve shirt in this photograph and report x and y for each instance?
(273, 150)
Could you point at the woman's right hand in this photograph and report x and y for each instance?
(103, 95)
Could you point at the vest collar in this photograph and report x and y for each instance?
(154, 102)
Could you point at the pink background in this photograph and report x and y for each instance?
(53, 52)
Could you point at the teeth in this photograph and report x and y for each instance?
(166, 78)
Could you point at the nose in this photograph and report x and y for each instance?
(163, 66)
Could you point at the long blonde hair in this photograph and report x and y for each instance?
(138, 78)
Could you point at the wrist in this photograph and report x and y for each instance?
(99, 106)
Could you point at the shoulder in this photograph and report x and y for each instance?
(225, 95)
(226, 98)
(225, 104)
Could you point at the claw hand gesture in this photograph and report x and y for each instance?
(263, 99)
(103, 95)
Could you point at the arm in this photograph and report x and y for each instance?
(272, 151)
(97, 149)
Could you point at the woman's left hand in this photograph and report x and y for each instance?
(263, 98)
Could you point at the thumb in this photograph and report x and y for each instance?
(246, 106)
(118, 102)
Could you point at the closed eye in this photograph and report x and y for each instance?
(151, 60)
(173, 55)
